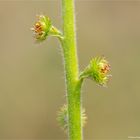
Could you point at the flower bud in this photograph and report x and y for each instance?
(97, 70)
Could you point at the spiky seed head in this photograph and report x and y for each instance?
(63, 117)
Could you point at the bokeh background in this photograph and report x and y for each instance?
(32, 87)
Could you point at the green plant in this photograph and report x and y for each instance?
(71, 117)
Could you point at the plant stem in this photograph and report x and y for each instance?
(71, 70)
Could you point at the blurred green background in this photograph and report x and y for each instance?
(32, 87)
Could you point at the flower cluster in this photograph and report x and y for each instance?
(97, 70)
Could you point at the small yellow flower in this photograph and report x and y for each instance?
(97, 70)
(41, 27)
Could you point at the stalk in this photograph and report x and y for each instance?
(71, 71)
(71, 117)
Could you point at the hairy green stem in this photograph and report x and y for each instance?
(71, 70)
